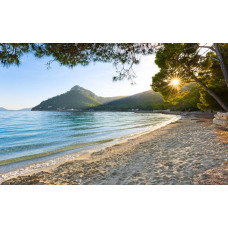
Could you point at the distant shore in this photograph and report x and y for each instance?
(189, 151)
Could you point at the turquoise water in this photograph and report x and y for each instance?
(27, 137)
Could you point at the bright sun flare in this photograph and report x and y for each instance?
(175, 82)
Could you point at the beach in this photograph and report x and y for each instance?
(189, 151)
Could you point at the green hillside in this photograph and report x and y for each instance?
(77, 98)
(141, 101)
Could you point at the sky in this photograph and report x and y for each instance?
(31, 83)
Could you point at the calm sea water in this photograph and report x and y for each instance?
(27, 137)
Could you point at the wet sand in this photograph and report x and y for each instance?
(189, 151)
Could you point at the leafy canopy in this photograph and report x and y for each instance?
(182, 61)
(189, 63)
(122, 55)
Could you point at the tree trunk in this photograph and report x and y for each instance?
(221, 103)
(221, 62)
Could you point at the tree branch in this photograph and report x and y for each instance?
(209, 57)
(209, 47)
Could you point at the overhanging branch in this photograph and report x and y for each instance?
(209, 47)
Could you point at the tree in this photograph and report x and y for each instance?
(187, 60)
(122, 55)
(187, 98)
(187, 63)
(216, 83)
(221, 61)
(10, 54)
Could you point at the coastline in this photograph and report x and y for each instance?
(159, 157)
(79, 155)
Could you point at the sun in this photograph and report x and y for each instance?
(175, 82)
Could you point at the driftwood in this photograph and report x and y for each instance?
(221, 119)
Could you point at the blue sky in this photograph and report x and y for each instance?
(30, 83)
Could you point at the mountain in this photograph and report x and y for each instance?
(77, 98)
(23, 109)
(141, 101)
(3, 109)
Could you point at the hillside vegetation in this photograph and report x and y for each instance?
(79, 98)
(141, 101)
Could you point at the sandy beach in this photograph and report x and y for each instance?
(189, 151)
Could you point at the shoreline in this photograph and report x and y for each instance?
(189, 151)
(54, 162)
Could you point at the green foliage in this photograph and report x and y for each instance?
(185, 62)
(215, 81)
(175, 61)
(72, 54)
(187, 99)
(180, 60)
(162, 106)
(10, 54)
(141, 101)
(79, 98)
(207, 102)
(122, 55)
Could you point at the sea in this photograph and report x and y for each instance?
(28, 137)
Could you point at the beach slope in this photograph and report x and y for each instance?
(189, 151)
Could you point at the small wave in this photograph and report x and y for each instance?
(26, 147)
(67, 148)
(95, 147)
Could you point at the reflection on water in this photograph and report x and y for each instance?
(29, 135)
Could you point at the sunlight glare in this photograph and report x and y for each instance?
(175, 82)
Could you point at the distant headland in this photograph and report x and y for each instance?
(79, 99)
